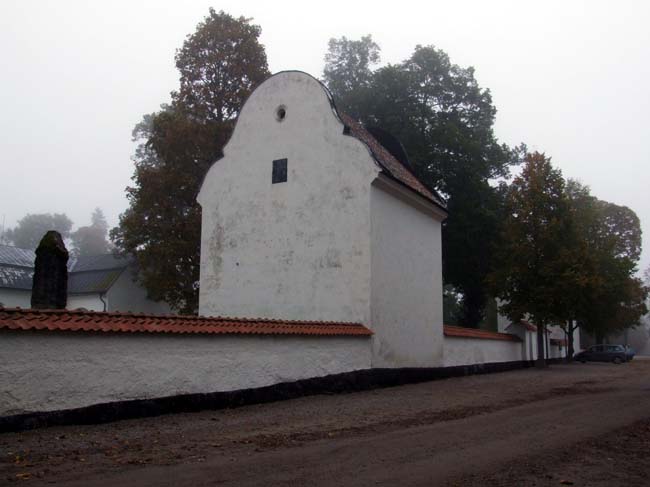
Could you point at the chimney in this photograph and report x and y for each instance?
(50, 285)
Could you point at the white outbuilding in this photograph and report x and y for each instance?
(321, 269)
(309, 216)
(104, 282)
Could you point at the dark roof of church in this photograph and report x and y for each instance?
(86, 273)
(390, 164)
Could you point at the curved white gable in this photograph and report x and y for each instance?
(336, 241)
(307, 106)
(298, 249)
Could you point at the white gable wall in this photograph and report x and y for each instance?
(123, 295)
(406, 295)
(293, 250)
(15, 298)
(89, 301)
(335, 242)
(22, 298)
(126, 295)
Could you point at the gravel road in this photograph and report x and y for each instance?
(568, 425)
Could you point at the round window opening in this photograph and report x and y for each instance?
(281, 113)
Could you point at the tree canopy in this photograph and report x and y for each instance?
(614, 298)
(566, 257)
(532, 255)
(219, 65)
(445, 121)
(348, 65)
(92, 239)
(601, 292)
(32, 227)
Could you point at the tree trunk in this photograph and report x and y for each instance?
(540, 362)
(547, 342)
(569, 350)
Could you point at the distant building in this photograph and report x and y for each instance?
(556, 343)
(96, 283)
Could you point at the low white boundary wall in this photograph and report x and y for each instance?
(470, 351)
(48, 371)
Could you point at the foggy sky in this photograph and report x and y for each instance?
(568, 78)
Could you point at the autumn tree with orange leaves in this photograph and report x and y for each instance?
(220, 64)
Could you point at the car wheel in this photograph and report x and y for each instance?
(583, 361)
(617, 360)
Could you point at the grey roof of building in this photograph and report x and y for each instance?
(16, 256)
(13, 277)
(86, 263)
(86, 273)
(98, 281)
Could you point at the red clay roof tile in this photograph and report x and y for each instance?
(64, 320)
(529, 326)
(526, 324)
(459, 331)
(388, 162)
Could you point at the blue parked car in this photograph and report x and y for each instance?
(605, 353)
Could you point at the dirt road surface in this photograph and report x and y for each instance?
(582, 425)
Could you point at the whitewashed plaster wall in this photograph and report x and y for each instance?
(577, 344)
(15, 298)
(91, 302)
(293, 250)
(550, 350)
(530, 345)
(127, 295)
(45, 371)
(406, 299)
(124, 295)
(530, 338)
(503, 322)
(559, 351)
(470, 351)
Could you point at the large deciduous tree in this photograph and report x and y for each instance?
(219, 65)
(92, 239)
(534, 254)
(579, 274)
(348, 71)
(566, 257)
(599, 290)
(615, 298)
(32, 227)
(444, 119)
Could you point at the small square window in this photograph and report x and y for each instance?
(279, 171)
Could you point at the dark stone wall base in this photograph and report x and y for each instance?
(360, 380)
